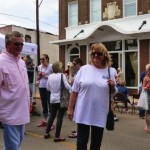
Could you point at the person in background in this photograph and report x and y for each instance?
(68, 68)
(120, 76)
(89, 110)
(44, 70)
(146, 87)
(14, 92)
(77, 64)
(142, 75)
(54, 86)
(124, 90)
(72, 70)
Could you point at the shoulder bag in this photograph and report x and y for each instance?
(64, 96)
(110, 117)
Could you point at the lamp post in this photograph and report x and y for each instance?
(37, 31)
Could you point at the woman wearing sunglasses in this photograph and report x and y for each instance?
(89, 100)
(44, 70)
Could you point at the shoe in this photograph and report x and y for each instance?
(42, 124)
(73, 135)
(59, 139)
(73, 131)
(47, 136)
(52, 127)
(115, 119)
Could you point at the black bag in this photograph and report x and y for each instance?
(64, 96)
(110, 117)
(110, 121)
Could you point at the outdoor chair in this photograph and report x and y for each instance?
(135, 97)
(119, 102)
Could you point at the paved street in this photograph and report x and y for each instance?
(128, 134)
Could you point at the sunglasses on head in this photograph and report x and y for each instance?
(97, 54)
(18, 44)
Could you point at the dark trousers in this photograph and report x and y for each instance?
(56, 110)
(45, 99)
(83, 136)
(141, 113)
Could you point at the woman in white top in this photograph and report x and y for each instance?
(54, 86)
(44, 70)
(89, 100)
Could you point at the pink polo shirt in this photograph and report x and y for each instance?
(14, 90)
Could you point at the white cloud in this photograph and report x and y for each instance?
(26, 12)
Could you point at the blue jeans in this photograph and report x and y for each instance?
(13, 136)
(83, 136)
(45, 99)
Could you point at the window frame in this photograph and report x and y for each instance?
(69, 14)
(99, 10)
(125, 3)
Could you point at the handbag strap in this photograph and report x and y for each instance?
(109, 90)
(61, 84)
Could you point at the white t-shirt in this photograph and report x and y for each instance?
(54, 86)
(47, 71)
(92, 102)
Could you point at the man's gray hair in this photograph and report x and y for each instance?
(8, 37)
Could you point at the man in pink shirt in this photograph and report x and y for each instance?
(14, 92)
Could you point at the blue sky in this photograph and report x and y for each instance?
(23, 13)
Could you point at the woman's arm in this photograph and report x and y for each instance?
(66, 84)
(48, 84)
(112, 86)
(144, 83)
(72, 101)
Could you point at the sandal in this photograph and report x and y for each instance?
(74, 135)
(59, 139)
(73, 131)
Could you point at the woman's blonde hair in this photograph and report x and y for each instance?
(122, 82)
(57, 67)
(101, 48)
(148, 69)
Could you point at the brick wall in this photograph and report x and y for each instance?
(84, 10)
(62, 54)
(144, 53)
(83, 53)
(143, 7)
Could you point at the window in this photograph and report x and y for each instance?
(73, 14)
(124, 54)
(74, 53)
(130, 7)
(95, 10)
(131, 68)
(113, 45)
(131, 44)
(131, 59)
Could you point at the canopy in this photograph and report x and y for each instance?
(28, 48)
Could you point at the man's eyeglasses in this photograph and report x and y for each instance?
(97, 54)
(18, 44)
